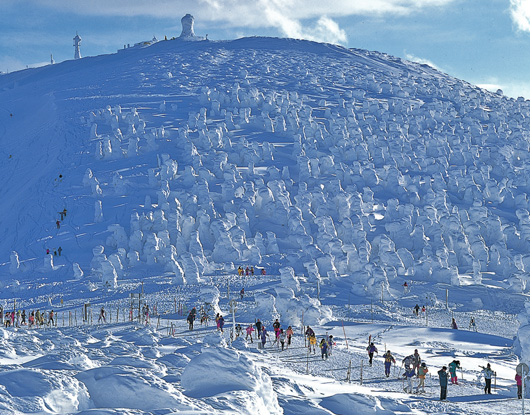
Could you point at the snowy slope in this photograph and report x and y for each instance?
(341, 172)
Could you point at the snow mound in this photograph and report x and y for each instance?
(116, 388)
(219, 371)
(343, 404)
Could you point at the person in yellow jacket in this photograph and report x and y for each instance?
(422, 371)
(312, 342)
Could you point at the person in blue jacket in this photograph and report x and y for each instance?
(409, 374)
(443, 375)
(264, 334)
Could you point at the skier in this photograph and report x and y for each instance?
(309, 332)
(453, 324)
(50, 319)
(405, 288)
(408, 375)
(443, 375)
(282, 338)
(204, 318)
(324, 348)
(453, 366)
(519, 381)
(277, 337)
(330, 344)
(313, 342)
(289, 334)
(276, 325)
(264, 336)
(422, 371)
(417, 310)
(101, 315)
(488, 373)
(242, 292)
(263, 271)
(59, 251)
(371, 349)
(407, 361)
(221, 323)
(416, 360)
(388, 362)
(249, 329)
(252, 271)
(191, 318)
(239, 330)
(23, 315)
(258, 327)
(58, 223)
(472, 324)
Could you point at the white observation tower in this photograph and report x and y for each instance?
(77, 44)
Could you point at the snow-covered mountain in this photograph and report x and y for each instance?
(341, 172)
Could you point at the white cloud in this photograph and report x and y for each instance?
(423, 61)
(8, 64)
(520, 12)
(490, 87)
(242, 10)
(510, 88)
(292, 18)
(516, 89)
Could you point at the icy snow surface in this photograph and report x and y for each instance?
(342, 173)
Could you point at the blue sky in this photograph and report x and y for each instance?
(486, 42)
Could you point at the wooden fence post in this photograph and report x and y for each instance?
(362, 372)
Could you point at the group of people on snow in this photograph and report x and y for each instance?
(414, 367)
(326, 343)
(63, 215)
(444, 375)
(19, 318)
(248, 271)
(416, 310)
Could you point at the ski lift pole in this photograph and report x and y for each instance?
(447, 298)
